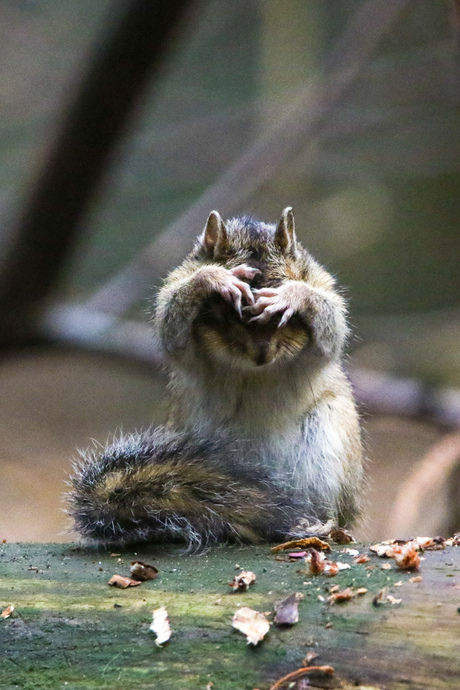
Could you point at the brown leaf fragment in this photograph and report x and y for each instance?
(300, 673)
(317, 562)
(393, 600)
(454, 541)
(308, 542)
(309, 657)
(362, 559)
(341, 596)
(122, 582)
(143, 571)
(317, 529)
(361, 590)
(251, 623)
(319, 565)
(351, 552)
(383, 549)
(160, 626)
(241, 582)
(386, 566)
(342, 536)
(406, 557)
(287, 611)
(414, 580)
(377, 599)
(6, 613)
(430, 543)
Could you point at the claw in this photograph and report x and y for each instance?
(244, 271)
(286, 316)
(266, 292)
(245, 290)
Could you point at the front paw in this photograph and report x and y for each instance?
(284, 301)
(228, 284)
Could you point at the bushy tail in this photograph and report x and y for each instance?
(160, 485)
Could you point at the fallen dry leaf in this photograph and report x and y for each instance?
(241, 582)
(251, 623)
(341, 596)
(351, 552)
(317, 562)
(342, 536)
(308, 542)
(403, 552)
(361, 590)
(122, 582)
(383, 549)
(362, 559)
(6, 613)
(160, 626)
(454, 541)
(287, 611)
(319, 565)
(406, 557)
(310, 656)
(377, 599)
(143, 571)
(414, 580)
(392, 599)
(430, 543)
(317, 529)
(386, 566)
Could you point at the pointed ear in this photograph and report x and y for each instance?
(285, 238)
(214, 237)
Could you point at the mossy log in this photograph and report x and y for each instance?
(71, 630)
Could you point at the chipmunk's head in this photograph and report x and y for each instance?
(233, 338)
(273, 249)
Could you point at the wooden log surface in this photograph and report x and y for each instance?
(71, 630)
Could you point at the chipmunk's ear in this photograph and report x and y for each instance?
(285, 238)
(214, 236)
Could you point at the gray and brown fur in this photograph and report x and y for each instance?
(253, 331)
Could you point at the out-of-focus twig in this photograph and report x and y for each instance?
(428, 477)
(77, 327)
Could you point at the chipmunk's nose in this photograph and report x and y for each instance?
(261, 356)
(262, 353)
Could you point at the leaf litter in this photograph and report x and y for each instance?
(160, 626)
(251, 623)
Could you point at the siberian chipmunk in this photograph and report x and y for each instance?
(263, 433)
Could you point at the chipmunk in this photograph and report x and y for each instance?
(263, 433)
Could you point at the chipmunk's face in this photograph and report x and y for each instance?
(250, 340)
(238, 343)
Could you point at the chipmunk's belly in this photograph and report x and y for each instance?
(309, 465)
